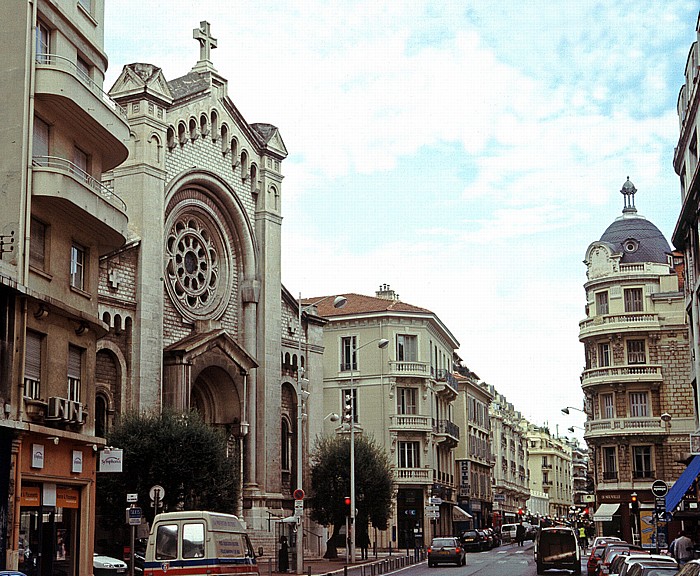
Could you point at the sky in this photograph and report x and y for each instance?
(464, 152)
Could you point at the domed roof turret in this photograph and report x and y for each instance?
(633, 235)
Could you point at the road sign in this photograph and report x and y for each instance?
(132, 498)
(298, 494)
(660, 504)
(432, 508)
(433, 515)
(156, 492)
(499, 497)
(659, 488)
(135, 515)
(435, 500)
(298, 504)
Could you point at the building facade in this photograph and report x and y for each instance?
(58, 220)
(403, 397)
(474, 455)
(511, 477)
(638, 399)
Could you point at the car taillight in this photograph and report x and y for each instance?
(430, 548)
(458, 549)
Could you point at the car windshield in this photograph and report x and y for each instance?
(443, 542)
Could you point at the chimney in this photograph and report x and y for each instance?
(387, 293)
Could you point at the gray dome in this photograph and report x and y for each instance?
(633, 235)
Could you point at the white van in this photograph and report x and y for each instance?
(508, 533)
(198, 542)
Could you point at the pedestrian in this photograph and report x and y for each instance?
(582, 538)
(683, 548)
(283, 555)
(520, 534)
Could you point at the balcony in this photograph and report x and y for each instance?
(84, 106)
(63, 187)
(624, 374)
(413, 476)
(546, 466)
(447, 432)
(410, 423)
(614, 427)
(412, 369)
(446, 384)
(630, 322)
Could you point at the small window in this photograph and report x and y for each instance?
(43, 43)
(77, 267)
(83, 70)
(37, 244)
(81, 161)
(406, 348)
(642, 462)
(166, 542)
(32, 365)
(406, 401)
(634, 300)
(603, 354)
(636, 352)
(601, 301)
(639, 404)
(607, 406)
(75, 371)
(348, 353)
(40, 142)
(193, 540)
(609, 463)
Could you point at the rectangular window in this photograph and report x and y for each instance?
(601, 303)
(636, 353)
(77, 267)
(37, 244)
(43, 43)
(80, 160)
(409, 455)
(406, 348)
(607, 406)
(406, 401)
(193, 540)
(350, 403)
(609, 463)
(32, 366)
(639, 404)
(166, 542)
(83, 69)
(40, 142)
(348, 353)
(603, 355)
(633, 300)
(75, 371)
(642, 462)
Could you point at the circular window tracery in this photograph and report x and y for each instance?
(197, 265)
(630, 245)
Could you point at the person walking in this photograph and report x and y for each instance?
(582, 538)
(283, 557)
(683, 548)
(520, 534)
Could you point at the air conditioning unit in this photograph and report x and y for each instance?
(55, 409)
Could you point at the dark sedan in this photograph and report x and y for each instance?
(473, 540)
(447, 550)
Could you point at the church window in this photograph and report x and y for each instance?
(77, 266)
(244, 166)
(601, 303)
(634, 301)
(43, 43)
(254, 184)
(181, 133)
(286, 456)
(75, 371)
(204, 125)
(193, 130)
(171, 137)
(101, 423)
(37, 244)
(234, 152)
(224, 139)
(636, 353)
(214, 125)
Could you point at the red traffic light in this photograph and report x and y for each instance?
(634, 498)
(347, 500)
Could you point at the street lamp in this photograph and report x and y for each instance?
(302, 396)
(566, 410)
(350, 415)
(571, 428)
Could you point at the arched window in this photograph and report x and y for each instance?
(171, 137)
(101, 422)
(286, 446)
(182, 133)
(214, 125)
(224, 139)
(235, 160)
(244, 165)
(193, 130)
(254, 184)
(204, 125)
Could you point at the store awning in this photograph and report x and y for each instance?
(605, 512)
(680, 487)
(459, 515)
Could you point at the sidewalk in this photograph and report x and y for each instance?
(321, 566)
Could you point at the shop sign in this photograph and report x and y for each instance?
(37, 455)
(67, 497)
(77, 461)
(31, 496)
(111, 460)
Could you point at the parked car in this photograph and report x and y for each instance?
(530, 531)
(594, 559)
(508, 533)
(621, 564)
(604, 540)
(611, 550)
(488, 539)
(691, 568)
(446, 550)
(107, 566)
(557, 548)
(11, 573)
(652, 568)
(473, 540)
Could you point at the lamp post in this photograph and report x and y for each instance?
(381, 343)
(567, 408)
(302, 396)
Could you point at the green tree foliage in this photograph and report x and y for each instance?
(330, 483)
(179, 452)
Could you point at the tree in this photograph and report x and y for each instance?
(179, 452)
(330, 484)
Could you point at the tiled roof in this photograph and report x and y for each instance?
(190, 83)
(360, 304)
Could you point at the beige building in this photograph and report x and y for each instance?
(550, 467)
(474, 454)
(511, 478)
(639, 401)
(403, 396)
(62, 133)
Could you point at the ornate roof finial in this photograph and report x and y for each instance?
(628, 191)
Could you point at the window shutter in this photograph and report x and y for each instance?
(32, 361)
(75, 356)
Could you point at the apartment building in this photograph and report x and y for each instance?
(550, 468)
(638, 399)
(62, 133)
(404, 397)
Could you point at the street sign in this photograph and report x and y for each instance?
(135, 515)
(499, 497)
(435, 500)
(659, 488)
(156, 492)
(432, 508)
(298, 494)
(660, 504)
(433, 515)
(132, 498)
(298, 504)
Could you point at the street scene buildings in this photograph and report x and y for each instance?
(141, 270)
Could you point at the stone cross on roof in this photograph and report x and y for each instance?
(206, 41)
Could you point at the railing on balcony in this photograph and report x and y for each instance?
(650, 371)
(631, 318)
(414, 475)
(446, 427)
(408, 368)
(546, 466)
(66, 166)
(67, 65)
(640, 424)
(444, 375)
(411, 422)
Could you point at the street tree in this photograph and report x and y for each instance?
(177, 451)
(330, 485)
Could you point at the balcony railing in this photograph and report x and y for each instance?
(414, 475)
(447, 427)
(412, 422)
(629, 318)
(639, 425)
(67, 65)
(406, 368)
(625, 373)
(61, 164)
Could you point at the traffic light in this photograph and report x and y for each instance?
(347, 501)
(634, 504)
